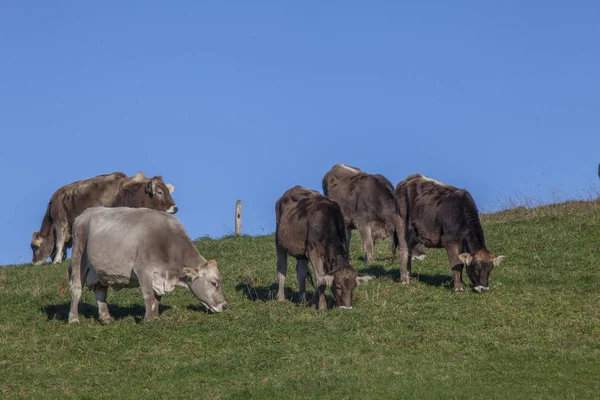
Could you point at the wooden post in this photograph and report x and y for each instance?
(238, 217)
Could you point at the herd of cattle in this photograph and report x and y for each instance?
(123, 234)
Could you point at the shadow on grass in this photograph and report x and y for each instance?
(378, 271)
(269, 293)
(61, 311)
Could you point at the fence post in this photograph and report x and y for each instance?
(238, 217)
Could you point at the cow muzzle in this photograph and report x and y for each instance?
(481, 289)
(216, 309)
(172, 210)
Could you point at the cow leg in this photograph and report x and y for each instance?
(61, 236)
(318, 298)
(301, 273)
(281, 272)
(157, 299)
(367, 239)
(76, 287)
(101, 292)
(456, 266)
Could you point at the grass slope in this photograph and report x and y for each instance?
(536, 334)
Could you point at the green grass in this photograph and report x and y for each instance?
(534, 335)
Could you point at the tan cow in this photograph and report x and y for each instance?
(125, 247)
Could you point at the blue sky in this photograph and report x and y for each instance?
(232, 100)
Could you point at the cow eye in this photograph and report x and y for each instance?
(160, 192)
(214, 283)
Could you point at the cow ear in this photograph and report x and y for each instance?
(466, 258)
(363, 279)
(170, 187)
(151, 188)
(212, 263)
(497, 260)
(328, 280)
(190, 272)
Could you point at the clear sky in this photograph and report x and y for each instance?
(231, 101)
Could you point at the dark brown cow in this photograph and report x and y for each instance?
(440, 215)
(69, 201)
(369, 204)
(310, 227)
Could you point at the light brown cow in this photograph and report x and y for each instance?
(69, 201)
(125, 247)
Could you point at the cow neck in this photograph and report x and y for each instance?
(474, 237)
(333, 261)
(46, 227)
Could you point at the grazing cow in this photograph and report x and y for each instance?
(310, 227)
(116, 189)
(369, 204)
(440, 215)
(124, 247)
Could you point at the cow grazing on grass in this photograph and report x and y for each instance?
(368, 204)
(69, 201)
(124, 247)
(310, 227)
(440, 215)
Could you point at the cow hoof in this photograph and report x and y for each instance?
(459, 289)
(106, 321)
(73, 320)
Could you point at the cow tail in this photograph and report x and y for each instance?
(310, 278)
(64, 286)
(401, 219)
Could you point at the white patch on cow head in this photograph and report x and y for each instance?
(170, 187)
(360, 279)
(465, 258)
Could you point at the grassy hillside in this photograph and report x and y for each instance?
(535, 334)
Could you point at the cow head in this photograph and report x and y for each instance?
(149, 193)
(42, 248)
(205, 282)
(159, 194)
(342, 282)
(479, 267)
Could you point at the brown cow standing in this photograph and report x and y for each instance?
(369, 204)
(310, 227)
(440, 215)
(69, 201)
